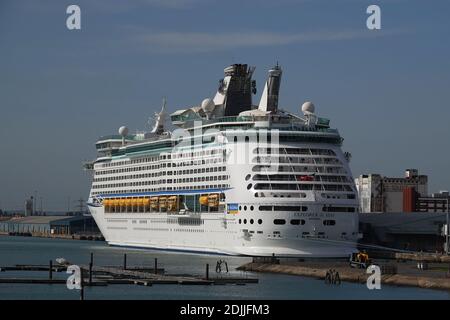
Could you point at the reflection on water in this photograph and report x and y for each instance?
(19, 250)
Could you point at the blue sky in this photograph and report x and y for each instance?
(387, 91)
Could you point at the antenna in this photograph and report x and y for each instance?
(80, 205)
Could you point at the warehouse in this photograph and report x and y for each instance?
(48, 225)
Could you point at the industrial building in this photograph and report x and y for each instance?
(413, 231)
(436, 202)
(386, 194)
(49, 225)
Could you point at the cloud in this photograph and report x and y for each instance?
(205, 42)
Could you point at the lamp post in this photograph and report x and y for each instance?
(446, 228)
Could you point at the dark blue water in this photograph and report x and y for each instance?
(18, 250)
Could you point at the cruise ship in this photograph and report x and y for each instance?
(229, 177)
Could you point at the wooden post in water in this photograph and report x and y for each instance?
(50, 269)
(92, 258)
(81, 285)
(124, 261)
(90, 274)
(156, 265)
(207, 271)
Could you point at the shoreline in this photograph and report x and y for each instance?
(54, 236)
(348, 274)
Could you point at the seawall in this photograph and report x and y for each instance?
(350, 275)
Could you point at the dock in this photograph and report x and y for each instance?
(93, 275)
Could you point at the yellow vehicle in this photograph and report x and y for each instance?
(360, 260)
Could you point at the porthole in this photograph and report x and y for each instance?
(247, 177)
(251, 221)
(252, 207)
(245, 208)
(245, 221)
(249, 186)
(240, 221)
(259, 221)
(240, 207)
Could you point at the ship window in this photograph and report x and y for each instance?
(248, 177)
(251, 221)
(329, 222)
(240, 221)
(259, 221)
(249, 186)
(287, 208)
(279, 221)
(297, 222)
(245, 221)
(245, 208)
(265, 208)
(252, 207)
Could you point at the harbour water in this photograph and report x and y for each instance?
(27, 250)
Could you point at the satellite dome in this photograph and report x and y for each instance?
(208, 105)
(308, 107)
(123, 131)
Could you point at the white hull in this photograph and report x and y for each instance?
(129, 230)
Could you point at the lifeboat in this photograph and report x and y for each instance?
(154, 204)
(106, 203)
(134, 202)
(123, 202)
(146, 203)
(213, 200)
(172, 203)
(140, 204)
(203, 200)
(162, 202)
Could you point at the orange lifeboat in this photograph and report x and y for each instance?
(172, 203)
(213, 200)
(163, 202)
(203, 200)
(146, 204)
(154, 203)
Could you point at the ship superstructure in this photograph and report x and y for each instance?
(234, 178)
